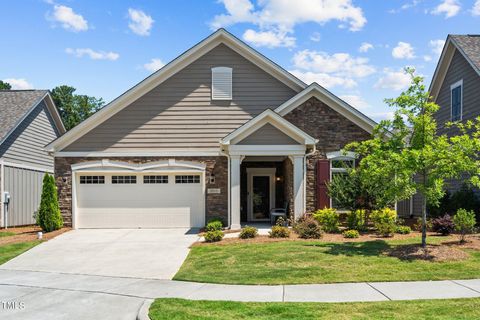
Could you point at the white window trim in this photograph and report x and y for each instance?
(340, 156)
(454, 86)
(223, 70)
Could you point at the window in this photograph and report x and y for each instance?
(92, 179)
(155, 179)
(187, 179)
(221, 83)
(124, 179)
(457, 100)
(338, 168)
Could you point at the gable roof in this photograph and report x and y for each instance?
(221, 36)
(334, 102)
(16, 105)
(268, 116)
(468, 46)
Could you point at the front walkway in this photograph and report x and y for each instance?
(93, 297)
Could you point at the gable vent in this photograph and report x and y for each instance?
(221, 83)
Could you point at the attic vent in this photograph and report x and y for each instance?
(221, 83)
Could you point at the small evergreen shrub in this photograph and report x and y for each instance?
(385, 221)
(357, 220)
(443, 225)
(248, 232)
(279, 232)
(214, 236)
(214, 225)
(308, 228)
(403, 230)
(351, 234)
(464, 223)
(328, 218)
(49, 217)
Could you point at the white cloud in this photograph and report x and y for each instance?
(427, 58)
(315, 37)
(386, 115)
(154, 65)
(449, 8)
(19, 84)
(339, 69)
(365, 47)
(476, 8)
(92, 54)
(270, 39)
(436, 46)
(68, 18)
(140, 22)
(403, 50)
(282, 16)
(406, 6)
(395, 80)
(355, 101)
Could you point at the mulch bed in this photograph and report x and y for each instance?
(437, 253)
(28, 233)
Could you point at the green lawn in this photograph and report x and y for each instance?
(7, 234)
(295, 262)
(173, 309)
(10, 251)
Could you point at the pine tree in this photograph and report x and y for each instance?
(49, 217)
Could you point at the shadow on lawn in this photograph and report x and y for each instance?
(367, 249)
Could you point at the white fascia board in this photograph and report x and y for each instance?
(54, 112)
(218, 37)
(27, 166)
(136, 153)
(442, 68)
(170, 164)
(266, 150)
(334, 102)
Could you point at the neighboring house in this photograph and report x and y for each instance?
(28, 122)
(221, 131)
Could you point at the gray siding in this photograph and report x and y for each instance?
(25, 145)
(179, 113)
(268, 134)
(459, 69)
(25, 188)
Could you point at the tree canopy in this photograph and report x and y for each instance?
(74, 108)
(5, 85)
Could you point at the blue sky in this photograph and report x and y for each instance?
(356, 49)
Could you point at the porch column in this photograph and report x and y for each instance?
(235, 162)
(298, 185)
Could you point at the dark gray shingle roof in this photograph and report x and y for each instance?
(470, 45)
(14, 105)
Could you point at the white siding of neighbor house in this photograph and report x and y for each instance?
(268, 134)
(180, 113)
(25, 144)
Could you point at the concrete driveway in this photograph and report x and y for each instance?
(133, 253)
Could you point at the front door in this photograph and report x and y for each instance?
(261, 194)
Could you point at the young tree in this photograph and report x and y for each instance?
(406, 155)
(49, 217)
(5, 85)
(74, 108)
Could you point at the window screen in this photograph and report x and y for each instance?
(457, 103)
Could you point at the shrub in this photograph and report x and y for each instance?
(443, 225)
(351, 234)
(464, 223)
(385, 221)
(403, 230)
(418, 225)
(328, 219)
(214, 225)
(281, 222)
(308, 228)
(248, 232)
(279, 232)
(214, 236)
(49, 217)
(357, 219)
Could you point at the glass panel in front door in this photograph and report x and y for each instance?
(261, 197)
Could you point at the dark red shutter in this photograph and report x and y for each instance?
(323, 176)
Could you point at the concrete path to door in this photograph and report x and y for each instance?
(134, 253)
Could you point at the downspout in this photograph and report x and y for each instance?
(229, 213)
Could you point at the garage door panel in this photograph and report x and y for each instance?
(140, 205)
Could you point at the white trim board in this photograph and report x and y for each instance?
(172, 164)
(26, 166)
(221, 36)
(139, 153)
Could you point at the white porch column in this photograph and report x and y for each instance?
(298, 185)
(235, 162)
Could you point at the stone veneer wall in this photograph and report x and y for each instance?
(216, 204)
(333, 131)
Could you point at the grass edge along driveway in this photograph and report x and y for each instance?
(304, 262)
(10, 251)
(174, 309)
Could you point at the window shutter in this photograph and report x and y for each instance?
(323, 176)
(221, 83)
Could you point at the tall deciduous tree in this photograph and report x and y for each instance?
(406, 155)
(5, 85)
(74, 108)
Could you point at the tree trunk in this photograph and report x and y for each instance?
(424, 222)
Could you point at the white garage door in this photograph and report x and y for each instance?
(150, 200)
